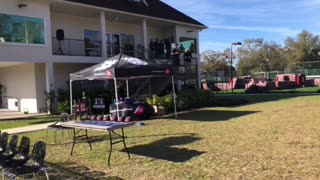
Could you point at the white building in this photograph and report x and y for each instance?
(31, 62)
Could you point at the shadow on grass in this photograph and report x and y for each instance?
(228, 100)
(212, 115)
(71, 170)
(162, 149)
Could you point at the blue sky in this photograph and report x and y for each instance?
(235, 20)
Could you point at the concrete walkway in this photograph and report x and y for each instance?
(6, 114)
(26, 129)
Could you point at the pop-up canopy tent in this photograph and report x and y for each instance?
(123, 67)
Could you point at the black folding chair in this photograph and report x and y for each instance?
(3, 141)
(20, 157)
(33, 166)
(57, 127)
(11, 149)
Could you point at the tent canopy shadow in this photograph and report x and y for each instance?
(212, 115)
(163, 149)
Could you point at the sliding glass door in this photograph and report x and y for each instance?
(117, 43)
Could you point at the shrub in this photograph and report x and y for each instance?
(185, 100)
(64, 107)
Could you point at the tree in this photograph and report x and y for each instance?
(256, 55)
(305, 47)
(212, 61)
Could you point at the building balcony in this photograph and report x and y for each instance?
(76, 47)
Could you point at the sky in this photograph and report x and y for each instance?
(231, 21)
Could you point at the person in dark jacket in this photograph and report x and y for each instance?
(176, 58)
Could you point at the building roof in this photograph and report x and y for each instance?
(153, 8)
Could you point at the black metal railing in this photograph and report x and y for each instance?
(76, 47)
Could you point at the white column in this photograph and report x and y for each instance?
(176, 34)
(145, 36)
(103, 34)
(49, 76)
(198, 62)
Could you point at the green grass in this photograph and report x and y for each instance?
(256, 98)
(299, 90)
(25, 122)
(272, 140)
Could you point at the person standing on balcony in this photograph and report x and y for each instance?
(161, 49)
(176, 58)
(187, 61)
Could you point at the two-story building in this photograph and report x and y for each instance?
(43, 41)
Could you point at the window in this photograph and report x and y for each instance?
(188, 44)
(91, 43)
(19, 29)
(117, 43)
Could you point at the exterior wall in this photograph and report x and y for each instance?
(22, 52)
(118, 28)
(73, 26)
(20, 85)
(185, 31)
(62, 73)
(160, 33)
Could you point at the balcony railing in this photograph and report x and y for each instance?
(76, 47)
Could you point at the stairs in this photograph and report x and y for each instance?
(152, 86)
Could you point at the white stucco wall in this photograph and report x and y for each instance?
(186, 31)
(20, 84)
(23, 52)
(160, 33)
(72, 25)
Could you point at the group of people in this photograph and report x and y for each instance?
(160, 48)
(187, 56)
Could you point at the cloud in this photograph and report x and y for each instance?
(283, 31)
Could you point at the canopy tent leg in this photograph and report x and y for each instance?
(116, 93)
(127, 83)
(174, 98)
(71, 100)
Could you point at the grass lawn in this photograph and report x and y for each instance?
(25, 122)
(299, 90)
(272, 140)
(257, 98)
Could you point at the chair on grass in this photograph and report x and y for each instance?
(11, 149)
(57, 127)
(20, 157)
(3, 141)
(33, 166)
